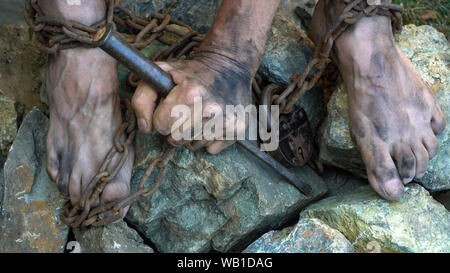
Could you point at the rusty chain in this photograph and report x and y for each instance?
(53, 34)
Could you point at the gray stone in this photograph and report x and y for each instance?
(308, 236)
(11, 12)
(213, 202)
(8, 123)
(1, 185)
(113, 238)
(429, 51)
(340, 182)
(415, 223)
(29, 218)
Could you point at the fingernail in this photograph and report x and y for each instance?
(419, 176)
(142, 124)
(394, 189)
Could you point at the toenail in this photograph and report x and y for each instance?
(142, 124)
(393, 189)
(407, 180)
(419, 176)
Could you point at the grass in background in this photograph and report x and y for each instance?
(427, 12)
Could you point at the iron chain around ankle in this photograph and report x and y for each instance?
(53, 34)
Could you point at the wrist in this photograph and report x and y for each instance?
(223, 62)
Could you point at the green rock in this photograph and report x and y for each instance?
(29, 216)
(429, 51)
(8, 123)
(112, 238)
(416, 223)
(213, 202)
(308, 236)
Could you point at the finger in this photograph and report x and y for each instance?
(198, 144)
(219, 145)
(176, 103)
(144, 103)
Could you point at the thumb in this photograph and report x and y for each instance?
(144, 103)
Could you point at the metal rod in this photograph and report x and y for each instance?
(280, 169)
(115, 45)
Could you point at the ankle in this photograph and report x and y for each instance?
(360, 44)
(85, 12)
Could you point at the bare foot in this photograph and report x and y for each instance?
(84, 117)
(394, 116)
(82, 87)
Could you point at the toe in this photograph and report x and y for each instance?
(438, 121)
(421, 156)
(52, 164)
(382, 173)
(406, 162)
(431, 144)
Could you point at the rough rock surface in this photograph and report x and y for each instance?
(113, 238)
(429, 51)
(340, 182)
(29, 219)
(8, 123)
(1, 184)
(12, 12)
(308, 236)
(416, 223)
(22, 66)
(212, 202)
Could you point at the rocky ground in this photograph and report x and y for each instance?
(230, 202)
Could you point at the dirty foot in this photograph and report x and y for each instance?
(394, 116)
(85, 114)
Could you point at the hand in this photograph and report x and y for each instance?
(213, 79)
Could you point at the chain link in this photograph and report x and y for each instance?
(53, 34)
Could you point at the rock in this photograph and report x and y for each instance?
(308, 236)
(1, 185)
(340, 182)
(444, 199)
(8, 123)
(22, 66)
(12, 12)
(213, 202)
(29, 219)
(429, 51)
(113, 238)
(416, 223)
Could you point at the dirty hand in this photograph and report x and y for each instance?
(212, 79)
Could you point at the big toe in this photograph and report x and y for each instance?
(382, 173)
